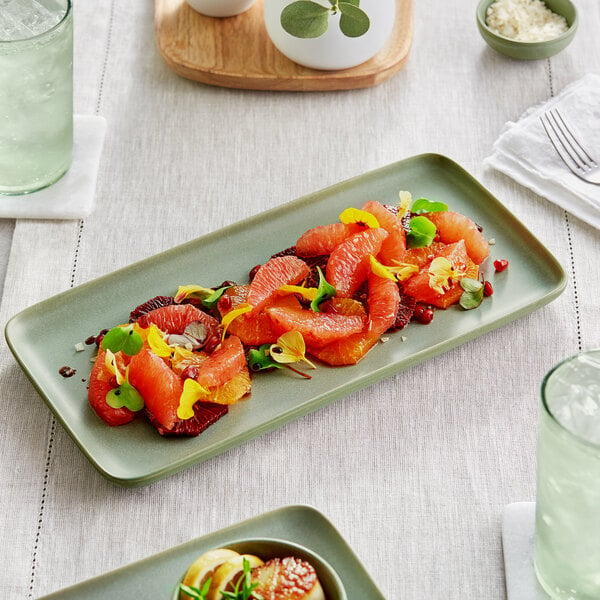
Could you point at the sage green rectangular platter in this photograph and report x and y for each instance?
(43, 337)
(157, 576)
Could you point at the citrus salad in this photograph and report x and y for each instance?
(182, 360)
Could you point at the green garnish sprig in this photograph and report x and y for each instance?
(325, 291)
(123, 338)
(244, 587)
(194, 592)
(472, 296)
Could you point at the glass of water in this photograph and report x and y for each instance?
(36, 93)
(567, 526)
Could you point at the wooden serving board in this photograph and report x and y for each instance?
(236, 52)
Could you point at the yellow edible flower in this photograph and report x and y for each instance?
(110, 361)
(442, 274)
(290, 348)
(405, 203)
(192, 392)
(356, 215)
(157, 344)
(308, 293)
(234, 314)
(398, 272)
(192, 291)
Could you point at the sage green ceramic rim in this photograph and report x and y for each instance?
(530, 50)
(544, 401)
(268, 548)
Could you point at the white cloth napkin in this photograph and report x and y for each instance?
(524, 152)
(73, 195)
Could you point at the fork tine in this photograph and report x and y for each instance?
(558, 144)
(564, 140)
(575, 144)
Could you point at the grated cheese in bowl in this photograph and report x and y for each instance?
(525, 20)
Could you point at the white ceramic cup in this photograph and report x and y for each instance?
(220, 8)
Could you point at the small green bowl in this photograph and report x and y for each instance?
(268, 548)
(530, 50)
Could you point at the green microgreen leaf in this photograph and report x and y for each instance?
(423, 205)
(244, 587)
(212, 300)
(123, 338)
(473, 293)
(125, 396)
(354, 22)
(305, 19)
(260, 359)
(422, 232)
(194, 592)
(324, 291)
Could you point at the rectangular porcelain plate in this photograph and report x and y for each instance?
(43, 337)
(158, 575)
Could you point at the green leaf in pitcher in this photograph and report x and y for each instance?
(305, 19)
(354, 22)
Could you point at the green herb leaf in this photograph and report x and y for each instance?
(212, 300)
(354, 22)
(423, 205)
(473, 294)
(305, 19)
(260, 359)
(123, 338)
(324, 291)
(422, 232)
(125, 396)
(244, 587)
(194, 592)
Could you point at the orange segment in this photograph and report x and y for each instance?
(348, 265)
(394, 246)
(174, 318)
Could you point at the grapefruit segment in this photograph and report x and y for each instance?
(174, 318)
(317, 329)
(394, 246)
(278, 271)
(453, 226)
(348, 265)
(323, 239)
(100, 384)
(223, 364)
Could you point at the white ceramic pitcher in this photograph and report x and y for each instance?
(332, 50)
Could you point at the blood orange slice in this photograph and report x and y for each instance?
(317, 329)
(453, 226)
(100, 385)
(323, 239)
(394, 246)
(223, 364)
(348, 265)
(278, 271)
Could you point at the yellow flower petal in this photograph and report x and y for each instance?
(356, 215)
(405, 203)
(381, 270)
(234, 314)
(398, 272)
(192, 392)
(110, 361)
(290, 348)
(192, 291)
(308, 293)
(442, 274)
(157, 344)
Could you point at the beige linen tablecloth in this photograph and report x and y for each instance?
(414, 471)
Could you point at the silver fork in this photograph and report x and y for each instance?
(573, 154)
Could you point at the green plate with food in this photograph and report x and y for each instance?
(201, 348)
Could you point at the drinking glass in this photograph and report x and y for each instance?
(36, 93)
(567, 526)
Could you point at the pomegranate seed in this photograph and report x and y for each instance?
(423, 314)
(225, 302)
(254, 271)
(488, 290)
(500, 265)
(190, 372)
